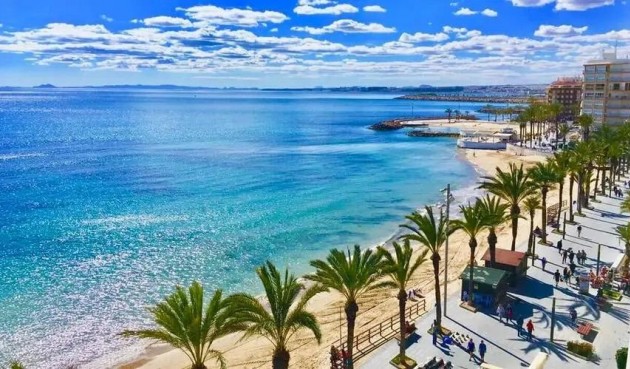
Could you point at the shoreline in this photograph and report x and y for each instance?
(326, 306)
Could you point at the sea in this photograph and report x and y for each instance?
(110, 198)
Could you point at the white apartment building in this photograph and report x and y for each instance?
(606, 90)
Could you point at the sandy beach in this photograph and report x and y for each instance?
(473, 125)
(378, 306)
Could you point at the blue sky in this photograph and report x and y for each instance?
(304, 43)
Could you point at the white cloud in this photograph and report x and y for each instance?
(465, 11)
(572, 5)
(559, 31)
(332, 10)
(214, 15)
(273, 30)
(468, 11)
(374, 9)
(106, 18)
(346, 26)
(165, 21)
(423, 37)
(461, 32)
(454, 4)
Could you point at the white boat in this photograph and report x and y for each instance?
(484, 141)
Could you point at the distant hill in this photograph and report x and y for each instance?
(47, 85)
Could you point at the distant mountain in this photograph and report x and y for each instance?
(47, 85)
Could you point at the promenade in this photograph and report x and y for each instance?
(535, 294)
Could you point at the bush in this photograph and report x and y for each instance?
(581, 348)
(621, 357)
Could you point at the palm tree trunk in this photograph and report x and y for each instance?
(604, 182)
(473, 245)
(597, 184)
(492, 244)
(351, 316)
(435, 258)
(560, 189)
(571, 197)
(544, 215)
(580, 194)
(402, 301)
(514, 212)
(280, 359)
(530, 242)
(531, 136)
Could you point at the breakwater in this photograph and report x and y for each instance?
(398, 123)
(476, 99)
(419, 133)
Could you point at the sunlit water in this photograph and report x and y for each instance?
(110, 198)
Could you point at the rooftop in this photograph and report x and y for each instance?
(485, 275)
(506, 257)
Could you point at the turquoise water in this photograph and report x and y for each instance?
(110, 198)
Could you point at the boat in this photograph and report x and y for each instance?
(485, 141)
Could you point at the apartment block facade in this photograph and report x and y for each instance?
(566, 91)
(606, 90)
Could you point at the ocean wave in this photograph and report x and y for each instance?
(20, 156)
(134, 220)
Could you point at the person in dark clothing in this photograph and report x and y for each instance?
(579, 229)
(573, 314)
(566, 275)
(559, 246)
(471, 349)
(482, 350)
(544, 262)
(519, 325)
(556, 277)
(572, 267)
(571, 256)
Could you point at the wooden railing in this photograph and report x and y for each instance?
(375, 336)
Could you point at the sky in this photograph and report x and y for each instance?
(305, 43)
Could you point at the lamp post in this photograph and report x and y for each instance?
(448, 206)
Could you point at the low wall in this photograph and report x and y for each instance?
(517, 150)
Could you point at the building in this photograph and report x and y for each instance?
(566, 91)
(606, 90)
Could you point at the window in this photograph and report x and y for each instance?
(615, 87)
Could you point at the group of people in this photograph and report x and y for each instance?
(618, 192)
(471, 350)
(507, 312)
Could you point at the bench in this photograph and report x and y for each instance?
(585, 328)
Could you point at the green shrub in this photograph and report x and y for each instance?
(581, 348)
(621, 357)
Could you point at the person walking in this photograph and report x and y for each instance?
(471, 349)
(530, 329)
(435, 332)
(556, 277)
(572, 268)
(519, 325)
(482, 351)
(565, 253)
(566, 275)
(500, 312)
(573, 314)
(579, 229)
(559, 246)
(509, 313)
(544, 262)
(571, 255)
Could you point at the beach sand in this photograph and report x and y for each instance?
(374, 308)
(473, 125)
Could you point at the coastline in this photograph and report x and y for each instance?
(255, 352)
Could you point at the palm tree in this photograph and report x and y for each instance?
(494, 213)
(16, 365)
(562, 165)
(457, 114)
(432, 234)
(512, 187)
(544, 177)
(564, 131)
(531, 204)
(449, 112)
(285, 315)
(625, 205)
(471, 223)
(399, 271)
(585, 122)
(186, 323)
(623, 231)
(352, 275)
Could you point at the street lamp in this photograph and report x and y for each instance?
(448, 206)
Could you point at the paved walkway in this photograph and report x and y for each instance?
(505, 348)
